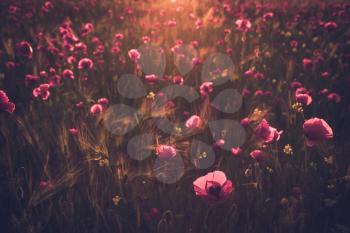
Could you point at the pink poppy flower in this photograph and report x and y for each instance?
(134, 55)
(73, 131)
(329, 26)
(85, 64)
(267, 133)
(119, 36)
(304, 99)
(68, 74)
(245, 92)
(71, 60)
(258, 155)
(115, 50)
(307, 63)
(103, 101)
(243, 25)
(87, 29)
(146, 39)
(178, 80)
(259, 93)
(258, 76)
(24, 49)
(249, 73)
(165, 151)
(301, 90)
(96, 109)
(219, 143)
(229, 51)
(171, 23)
(10, 65)
(5, 104)
(42, 91)
(316, 130)
(324, 91)
(236, 151)
(151, 78)
(214, 188)
(194, 122)
(29, 79)
(325, 74)
(334, 97)
(206, 88)
(195, 43)
(295, 85)
(47, 7)
(267, 16)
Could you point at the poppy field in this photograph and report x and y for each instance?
(164, 116)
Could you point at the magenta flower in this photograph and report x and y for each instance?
(194, 122)
(5, 104)
(243, 25)
(324, 91)
(73, 131)
(267, 16)
(334, 97)
(307, 63)
(214, 188)
(218, 144)
(10, 65)
(245, 92)
(134, 55)
(119, 36)
(103, 101)
(295, 85)
(258, 155)
(236, 151)
(165, 151)
(316, 130)
(79, 105)
(42, 91)
(267, 133)
(329, 26)
(303, 98)
(96, 109)
(249, 73)
(68, 74)
(259, 93)
(85, 64)
(206, 88)
(146, 39)
(178, 80)
(87, 29)
(325, 74)
(171, 23)
(47, 7)
(29, 79)
(151, 78)
(24, 49)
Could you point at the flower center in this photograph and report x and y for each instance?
(215, 190)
